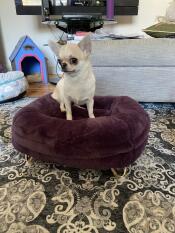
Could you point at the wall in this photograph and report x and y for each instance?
(14, 26)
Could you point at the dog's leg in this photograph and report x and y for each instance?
(90, 106)
(62, 107)
(68, 110)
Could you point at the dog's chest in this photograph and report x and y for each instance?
(80, 92)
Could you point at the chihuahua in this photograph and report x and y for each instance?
(78, 82)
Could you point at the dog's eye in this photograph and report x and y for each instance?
(74, 61)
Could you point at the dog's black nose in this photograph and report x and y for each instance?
(64, 65)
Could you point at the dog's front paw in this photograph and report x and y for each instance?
(92, 116)
(69, 117)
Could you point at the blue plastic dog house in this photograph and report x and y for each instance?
(27, 57)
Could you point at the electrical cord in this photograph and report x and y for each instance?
(60, 41)
(57, 67)
(52, 31)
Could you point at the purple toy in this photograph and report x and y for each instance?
(110, 9)
(27, 57)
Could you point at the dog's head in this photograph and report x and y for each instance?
(72, 57)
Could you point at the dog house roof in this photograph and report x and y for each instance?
(20, 44)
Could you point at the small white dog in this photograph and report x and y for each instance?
(78, 82)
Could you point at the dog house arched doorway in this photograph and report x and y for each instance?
(32, 69)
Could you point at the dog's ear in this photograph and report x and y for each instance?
(85, 45)
(55, 47)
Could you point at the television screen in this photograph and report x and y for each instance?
(31, 2)
(66, 2)
(59, 7)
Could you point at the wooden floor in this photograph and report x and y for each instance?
(39, 89)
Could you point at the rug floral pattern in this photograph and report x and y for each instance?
(48, 198)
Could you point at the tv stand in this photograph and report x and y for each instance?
(73, 23)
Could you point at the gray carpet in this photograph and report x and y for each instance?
(44, 197)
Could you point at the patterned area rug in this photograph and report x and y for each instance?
(47, 198)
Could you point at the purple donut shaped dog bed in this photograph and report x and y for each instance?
(114, 139)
